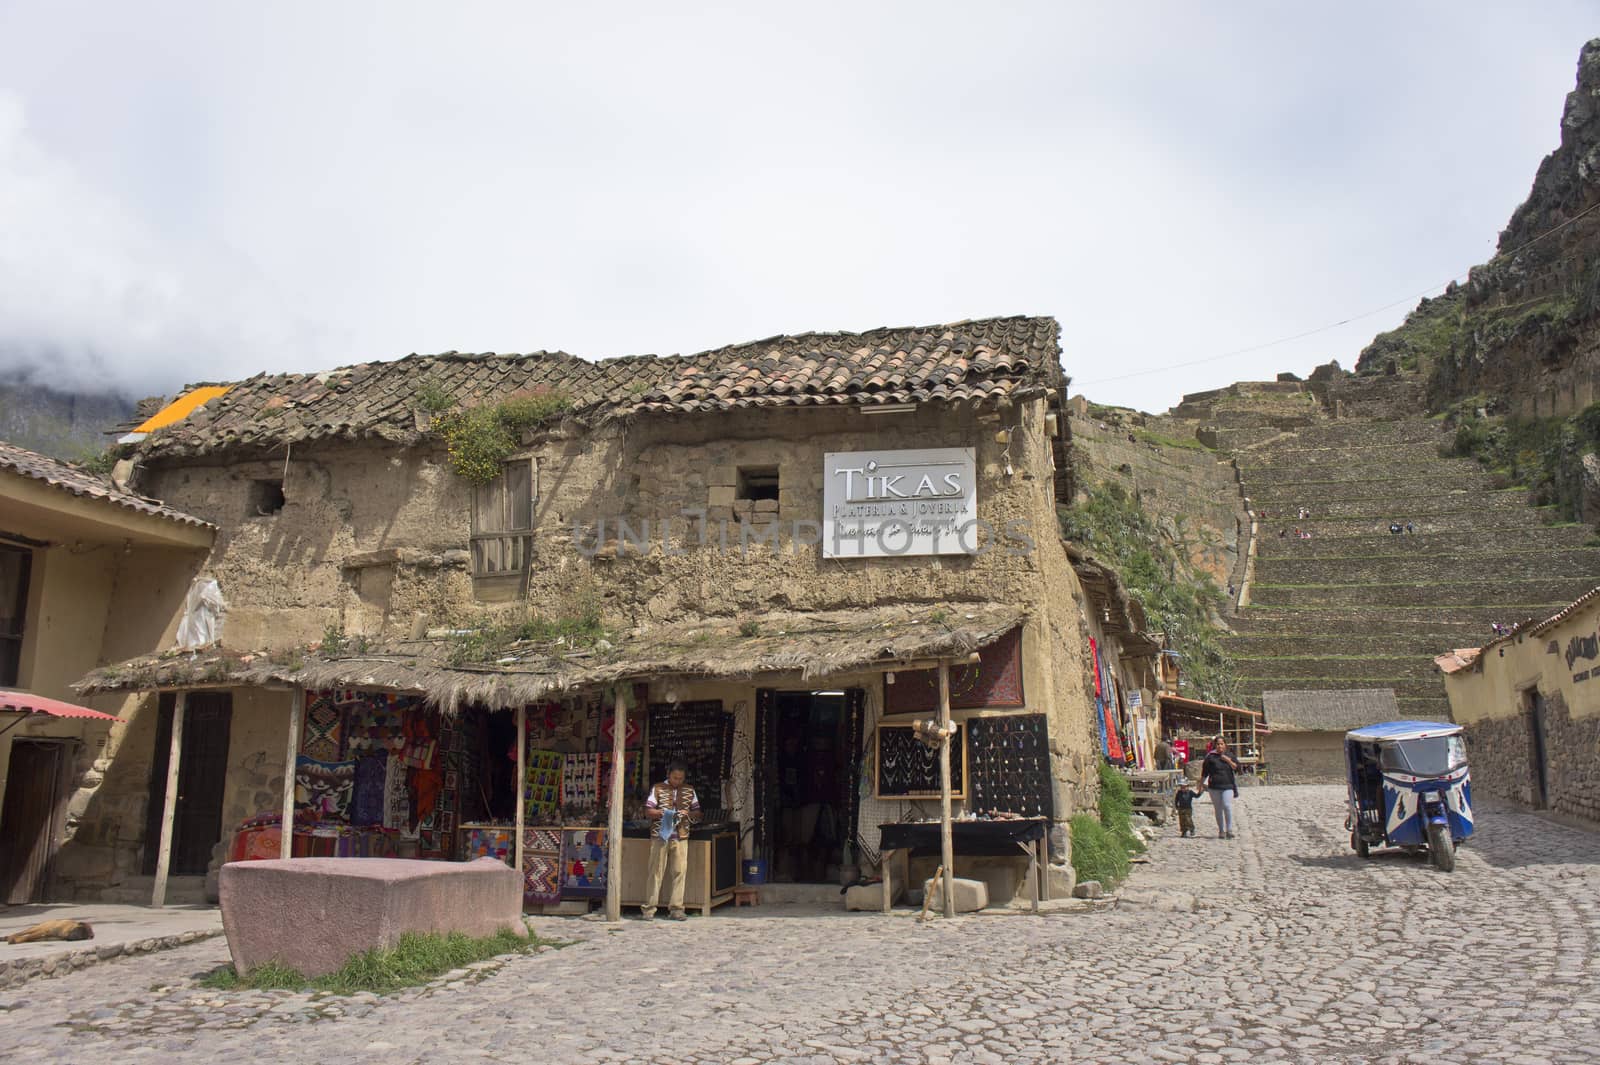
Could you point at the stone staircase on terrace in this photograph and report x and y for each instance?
(1357, 607)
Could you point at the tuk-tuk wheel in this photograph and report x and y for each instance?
(1360, 845)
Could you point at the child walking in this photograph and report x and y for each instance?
(1184, 801)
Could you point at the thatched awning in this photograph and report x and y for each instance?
(811, 645)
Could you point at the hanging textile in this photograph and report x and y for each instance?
(1105, 707)
(322, 736)
(583, 863)
(541, 865)
(396, 799)
(367, 804)
(324, 788)
(542, 791)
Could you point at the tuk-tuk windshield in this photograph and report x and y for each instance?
(1432, 757)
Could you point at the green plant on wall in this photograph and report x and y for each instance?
(480, 439)
(1154, 568)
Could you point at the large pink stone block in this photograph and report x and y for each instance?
(314, 914)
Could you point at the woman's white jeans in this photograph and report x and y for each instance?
(1222, 804)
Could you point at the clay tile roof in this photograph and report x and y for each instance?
(977, 361)
(86, 485)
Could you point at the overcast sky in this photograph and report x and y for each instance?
(208, 190)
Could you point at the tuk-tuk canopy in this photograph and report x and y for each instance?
(1403, 730)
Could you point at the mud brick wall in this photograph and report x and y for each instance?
(1305, 757)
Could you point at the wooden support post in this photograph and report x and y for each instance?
(169, 805)
(619, 736)
(884, 862)
(297, 707)
(522, 782)
(946, 836)
(1041, 848)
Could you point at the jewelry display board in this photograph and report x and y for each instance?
(1009, 759)
(906, 768)
(698, 734)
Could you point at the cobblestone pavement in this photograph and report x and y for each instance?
(1280, 946)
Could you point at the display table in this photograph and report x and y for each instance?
(969, 839)
(713, 866)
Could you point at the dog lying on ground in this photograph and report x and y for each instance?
(68, 930)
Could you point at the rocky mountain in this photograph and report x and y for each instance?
(66, 425)
(1524, 330)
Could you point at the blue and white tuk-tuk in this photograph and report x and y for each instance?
(1409, 787)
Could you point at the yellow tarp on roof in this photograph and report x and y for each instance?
(182, 407)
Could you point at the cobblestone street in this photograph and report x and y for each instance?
(1280, 946)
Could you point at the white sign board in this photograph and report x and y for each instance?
(879, 504)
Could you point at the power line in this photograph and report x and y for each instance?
(1341, 322)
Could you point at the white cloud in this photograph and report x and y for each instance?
(214, 191)
(91, 298)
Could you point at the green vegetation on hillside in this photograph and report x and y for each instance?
(1542, 455)
(1449, 327)
(1154, 567)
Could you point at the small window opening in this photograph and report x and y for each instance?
(758, 482)
(266, 497)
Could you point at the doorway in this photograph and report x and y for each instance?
(1537, 750)
(27, 832)
(202, 776)
(812, 812)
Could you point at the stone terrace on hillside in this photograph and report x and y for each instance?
(1358, 607)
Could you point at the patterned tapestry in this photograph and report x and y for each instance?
(583, 863)
(367, 802)
(543, 790)
(488, 841)
(322, 736)
(325, 788)
(541, 866)
(995, 681)
(397, 798)
(633, 785)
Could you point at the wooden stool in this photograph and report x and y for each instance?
(746, 895)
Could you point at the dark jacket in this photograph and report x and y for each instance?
(1217, 773)
(1184, 799)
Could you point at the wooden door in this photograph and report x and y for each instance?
(1538, 750)
(32, 782)
(202, 776)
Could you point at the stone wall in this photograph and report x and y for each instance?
(1500, 751)
(1192, 492)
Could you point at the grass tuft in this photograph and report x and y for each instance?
(416, 959)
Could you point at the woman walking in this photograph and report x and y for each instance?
(1217, 777)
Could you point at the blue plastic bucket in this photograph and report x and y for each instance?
(755, 871)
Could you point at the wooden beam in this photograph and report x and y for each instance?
(169, 804)
(522, 782)
(619, 737)
(291, 751)
(946, 836)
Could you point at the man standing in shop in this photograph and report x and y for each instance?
(673, 807)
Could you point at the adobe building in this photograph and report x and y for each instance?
(1529, 705)
(1306, 744)
(89, 574)
(758, 556)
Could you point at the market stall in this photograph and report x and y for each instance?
(383, 774)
